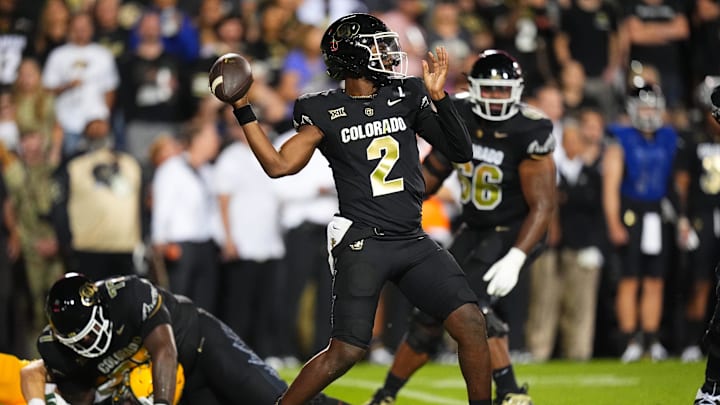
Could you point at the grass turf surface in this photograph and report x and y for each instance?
(602, 382)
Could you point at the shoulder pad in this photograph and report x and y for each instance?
(315, 94)
(531, 112)
(538, 148)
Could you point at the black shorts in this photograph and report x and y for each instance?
(226, 371)
(427, 275)
(702, 261)
(635, 263)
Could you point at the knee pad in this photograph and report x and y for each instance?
(424, 333)
(495, 326)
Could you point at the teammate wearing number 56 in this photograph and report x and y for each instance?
(367, 131)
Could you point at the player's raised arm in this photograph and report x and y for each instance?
(292, 156)
(230, 80)
(445, 129)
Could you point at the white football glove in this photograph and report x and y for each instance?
(503, 275)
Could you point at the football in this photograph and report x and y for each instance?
(230, 77)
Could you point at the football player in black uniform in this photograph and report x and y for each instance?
(101, 330)
(508, 196)
(367, 131)
(709, 393)
(697, 180)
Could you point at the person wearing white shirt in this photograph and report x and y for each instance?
(252, 247)
(308, 203)
(184, 217)
(84, 77)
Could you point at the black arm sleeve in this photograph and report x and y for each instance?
(446, 131)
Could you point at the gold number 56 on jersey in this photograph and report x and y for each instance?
(481, 184)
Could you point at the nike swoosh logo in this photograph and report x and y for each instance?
(501, 134)
(120, 330)
(391, 103)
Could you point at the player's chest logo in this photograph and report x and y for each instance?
(399, 96)
(369, 111)
(337, 113)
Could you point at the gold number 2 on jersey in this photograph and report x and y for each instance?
(378, 178)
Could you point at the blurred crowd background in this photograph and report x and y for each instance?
(116, 160)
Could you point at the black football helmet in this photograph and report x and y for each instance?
(715, 103)
(78, 317)
(495, 71)
(360, 45)
(646, 106)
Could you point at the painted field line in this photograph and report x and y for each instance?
(592, 380)
(406, 393)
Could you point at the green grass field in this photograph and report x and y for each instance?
(602, 382)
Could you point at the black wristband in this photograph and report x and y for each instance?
(245, 114)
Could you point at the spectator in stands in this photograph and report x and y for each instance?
(52, 29)
(704, 36)
(445, 30)
(588, 35)
(15, 40)
(276, 27)
(655, 30)
(303, 70)
(549, 100)
(29, 184)
(184, 216)
(9, 243)
(83, 76)
(565, 299)
(636, 172)
(252, 247)
(108, 31)
(96, 209)
(153, 86)
(572, 86)
(179, 34)
(525, 29)
(36, 108)
(404, 19)
(9, 132)
(211, 14)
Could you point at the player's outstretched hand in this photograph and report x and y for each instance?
(503, 275)
(435, 72)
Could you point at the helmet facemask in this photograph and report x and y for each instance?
(484, 95)
(646, 111)
(94, 339)
(386, 55)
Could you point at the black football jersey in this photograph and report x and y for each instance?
(491, 193)
(135, 308)
(372, 148)
(699, 155)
